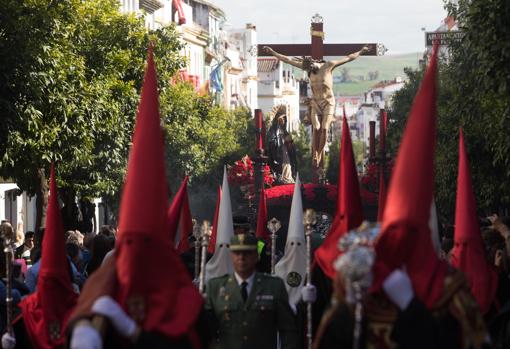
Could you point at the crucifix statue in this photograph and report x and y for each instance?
(322, 103)
(320, 74)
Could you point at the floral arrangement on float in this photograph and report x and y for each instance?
(242, 174)
(369, 180)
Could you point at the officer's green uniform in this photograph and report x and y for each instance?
(253, 324)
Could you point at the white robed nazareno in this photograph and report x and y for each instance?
(292, 267)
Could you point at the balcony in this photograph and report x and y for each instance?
(151, 5)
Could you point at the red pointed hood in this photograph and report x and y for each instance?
(349, 214)
(174, 212)
(214, 231)
(262, 232)
(468, 253)
(45, 312)
(185, 224)
(405, 234)
(153, 285)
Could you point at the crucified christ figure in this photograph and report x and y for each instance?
(322, 109)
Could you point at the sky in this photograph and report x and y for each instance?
(395, 23)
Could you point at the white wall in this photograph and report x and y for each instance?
(280, 87)
(129, 6)
(195, 60)
(242, 54)
(18, 209)
(6, 209)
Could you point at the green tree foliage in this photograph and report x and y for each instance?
(302, 142)
(345, 74)
(373, 75)
(202, 137)
(480, 91)
(74, 70)
(70, 77)
(333, 162)
(474, 93)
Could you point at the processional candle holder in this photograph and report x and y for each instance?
(205, 233)
(309, 220)
(8, 236)
(273, 225)
(196, 235)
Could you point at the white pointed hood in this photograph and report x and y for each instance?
(292, 267)
(221, 262)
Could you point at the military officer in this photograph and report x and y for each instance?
(248, 308)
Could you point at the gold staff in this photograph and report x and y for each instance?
(309, 219)
(206, 232)
(9, 237)
(273, 225)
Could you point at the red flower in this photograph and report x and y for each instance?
(242, 173)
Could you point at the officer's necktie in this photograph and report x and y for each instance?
(244, 290)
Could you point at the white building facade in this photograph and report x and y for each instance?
(241, 70)
(157, 13)
(278, 86)
(351, 104)
(19, 209)
(377, 98)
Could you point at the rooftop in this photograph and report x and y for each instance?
(267, 65)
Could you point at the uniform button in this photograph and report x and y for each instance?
(245, 338)
(245, 323)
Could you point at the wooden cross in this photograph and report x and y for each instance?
(317, 49)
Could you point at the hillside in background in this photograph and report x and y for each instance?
(354, 77)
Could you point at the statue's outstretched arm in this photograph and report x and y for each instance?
(349, 58)
(283, 58)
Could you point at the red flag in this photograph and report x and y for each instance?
(349, 214)
(46, 312)
(174, 211)
(178, 7)
(214, 232)
(153, 286)
(262, 232)
(405, 238)
(468, 253)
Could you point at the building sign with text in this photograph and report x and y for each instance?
(443, 38)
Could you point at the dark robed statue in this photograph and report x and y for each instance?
(282, 153)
